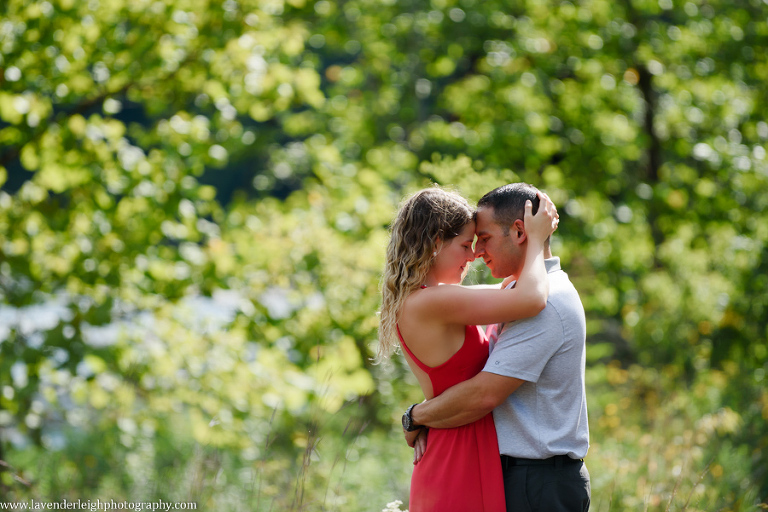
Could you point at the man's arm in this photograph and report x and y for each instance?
(465, 402)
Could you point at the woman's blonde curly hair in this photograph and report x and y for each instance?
(426, 218)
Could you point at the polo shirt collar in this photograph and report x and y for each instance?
(552, 264)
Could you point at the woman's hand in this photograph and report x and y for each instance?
(538, 227)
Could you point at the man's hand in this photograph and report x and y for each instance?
(417, 438)
(410, 437)
(419, 444)
(507, 280)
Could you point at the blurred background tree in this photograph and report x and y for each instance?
(194, 208)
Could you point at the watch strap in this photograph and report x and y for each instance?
(408, 420)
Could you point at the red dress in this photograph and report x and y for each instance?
(461, 469)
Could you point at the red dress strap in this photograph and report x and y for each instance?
(402, 342)
(415, 359)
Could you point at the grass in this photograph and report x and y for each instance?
(656, 445)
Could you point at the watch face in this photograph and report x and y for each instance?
(406, 423)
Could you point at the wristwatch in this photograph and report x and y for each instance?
(408, 425)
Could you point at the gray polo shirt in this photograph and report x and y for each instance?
(547, 414)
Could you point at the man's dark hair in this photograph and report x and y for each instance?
(508, 203)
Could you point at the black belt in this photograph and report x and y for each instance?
(557, 460)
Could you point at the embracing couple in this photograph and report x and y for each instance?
(504, 426)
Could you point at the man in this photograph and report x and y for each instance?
(534, 378)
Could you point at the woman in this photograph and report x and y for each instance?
(436, 324)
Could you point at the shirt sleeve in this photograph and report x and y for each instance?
(525, 346)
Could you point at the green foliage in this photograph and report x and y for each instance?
(660, 446)
(194, 205)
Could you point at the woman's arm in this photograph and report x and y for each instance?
(534, 273)
(496, 286)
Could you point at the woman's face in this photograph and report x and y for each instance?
(453, 257)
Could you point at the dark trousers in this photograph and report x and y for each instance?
(559, 484)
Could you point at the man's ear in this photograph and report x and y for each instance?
(517, 231)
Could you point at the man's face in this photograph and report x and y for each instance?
(496, 246)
